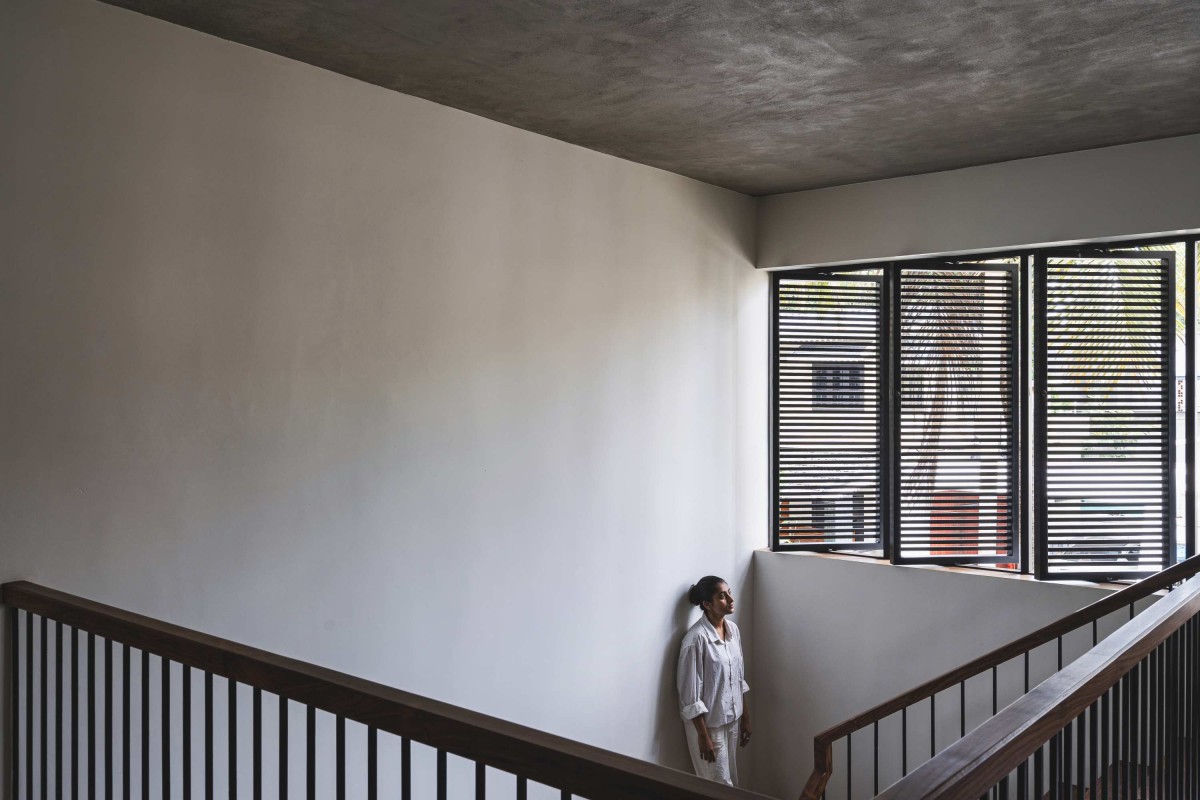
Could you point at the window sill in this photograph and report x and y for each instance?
(989, 573)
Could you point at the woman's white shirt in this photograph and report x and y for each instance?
(712, 674)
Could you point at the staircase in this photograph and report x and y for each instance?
(108, 703)
(1120, 720)
(114, 704)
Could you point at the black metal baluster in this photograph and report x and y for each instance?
(1163, 727)
(1148, 725)
(1123, 726)
(441, 776)
(875, 758)
(522, 789)
(186, 724)
(1168, 717)
(1185, 663)
(480, 781)
(849, 765)
(1157, 757)
(1056, 767)
(1068, 740)
(1095, 633)
(405, 769)
(1194, 716)
(126, 756)
(311, 745)
(91, 715)
(58, 711)
(75, 714)
(1179, 711)
(231, 725)
(932, 725)
(165, 733)
(43, 688)
(29, 705)
(340, 750)
(904, 741)
(995, 692)
(257, 743)
(1023, 780)
(14, 663)
(962, 710)
(1026, 672)
(208, 735)
(108, 718)
(283, 748)
(1060, 654)
(1152, 711)
(1093, 747)
(1105, 739)
(372, 763)
(1194, 674)
(1039, 774)
(1075, 731)
(145, 681)
(1143, 726)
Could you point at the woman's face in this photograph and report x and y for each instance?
(721, 604)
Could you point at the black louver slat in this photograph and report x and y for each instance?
(956, 419)
(1106, 374)
(828, 412)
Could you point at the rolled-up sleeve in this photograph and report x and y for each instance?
(745, 687)
(689, 679)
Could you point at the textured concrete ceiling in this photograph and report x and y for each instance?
(762, 96)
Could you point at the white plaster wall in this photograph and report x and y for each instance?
(374, 383)
(842, 634)
(1146, 188)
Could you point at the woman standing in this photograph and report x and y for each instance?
(711, 680)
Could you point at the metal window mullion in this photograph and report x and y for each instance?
(1024, 533)
(1015, 438)
(889, 450)
(773, 412)
(892, 377)
(1189, 324)
(1041, 560)
(1168, 405)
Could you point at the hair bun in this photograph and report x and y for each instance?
(703, 589)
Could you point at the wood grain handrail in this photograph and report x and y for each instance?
(556, 761)
(972, 765)
(823, 742)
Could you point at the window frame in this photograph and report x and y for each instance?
(1029, 261)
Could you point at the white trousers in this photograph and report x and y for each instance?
(725, 742)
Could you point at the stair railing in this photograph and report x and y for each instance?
(94, 686)
(1122, 721)
(922, 700)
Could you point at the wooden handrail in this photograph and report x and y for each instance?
(823, 742)
(972, 765)
(578, 768)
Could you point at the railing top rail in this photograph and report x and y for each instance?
(1077, 619)
(972, 765)
(556, 761)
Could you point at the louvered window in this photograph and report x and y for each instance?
(956, 414)
(828, 339)
(1034, 410)
(1107, 379)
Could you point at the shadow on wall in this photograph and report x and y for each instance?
(670, 744)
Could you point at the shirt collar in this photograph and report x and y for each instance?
(709, 631)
